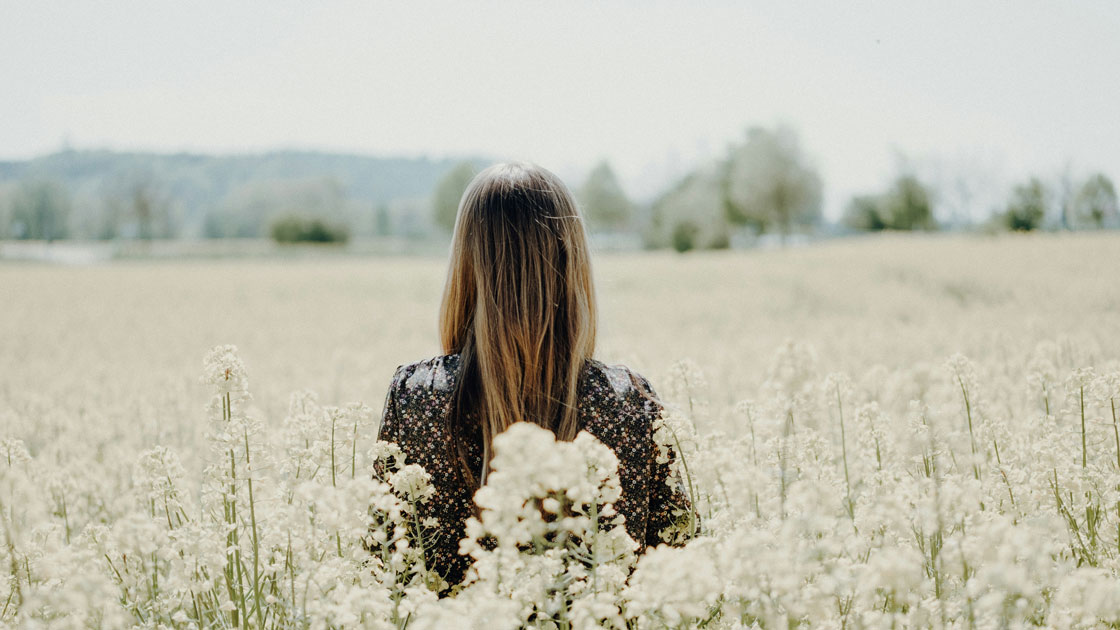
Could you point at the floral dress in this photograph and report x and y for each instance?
(612, 407)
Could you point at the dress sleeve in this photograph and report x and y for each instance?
(672, 517)
(389, 429)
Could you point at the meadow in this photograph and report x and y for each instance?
(887, 432)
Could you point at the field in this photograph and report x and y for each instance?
(879, 433)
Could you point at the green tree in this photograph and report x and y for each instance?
(691, 214)
(1095, 203)
(769, 183)
(864, 213)
(684, 236)
(449, 190)
(8, 192)
(605, 205)
(1027, 206)
(303, 229)
(250, 210)
(907, 205)
(40, 210)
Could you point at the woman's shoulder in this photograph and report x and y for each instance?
(624, 383)
(440, 374)
(434, 374)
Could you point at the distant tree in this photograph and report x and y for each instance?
(303, 229)
(1027, 206)
(691, 214)
(40, 210)
(684, 237)
(769, 183)
(449, 190)
(144, 208)
(864, 214)
(907, 205)
(605, 205)
(136, 205)
(250, 210)
(1065, 196)
(1095, 203)
(7, 195)
(382, 220)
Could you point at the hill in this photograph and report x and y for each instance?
(205, 194)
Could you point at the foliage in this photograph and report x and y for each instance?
(205, 194)
(301, 229)
(690, 215)
(39, 211)
(769, 183)
(250, 210)
(864, 214)
(764, 184)
(905, 206)
(1028, 206)
(1095, 204)
(136, 205)
(684, 236)
(604, 203)
(449, 191)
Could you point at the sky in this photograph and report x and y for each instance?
(973, 95)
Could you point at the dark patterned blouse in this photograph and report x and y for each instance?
(611, 408)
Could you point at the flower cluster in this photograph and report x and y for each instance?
(977, 493)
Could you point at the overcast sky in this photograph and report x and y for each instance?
(997, 88)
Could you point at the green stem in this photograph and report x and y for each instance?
(354, 451)
(333, 484)
(1084, 449)
(844, 452)
(1115, 430)
(688, 475)
(256, 538)
(971, 436)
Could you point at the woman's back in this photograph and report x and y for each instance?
(616, 405)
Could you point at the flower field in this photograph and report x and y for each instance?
(877, 433)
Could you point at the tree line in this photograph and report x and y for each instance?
(104, 195)
(764, 184)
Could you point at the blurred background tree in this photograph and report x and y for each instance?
(906, 205)
(605, 205)
(303, 229)
(137, 205)
(864, 214)
(448, 192)
(691, 214)
(382, 221)
(1095, 203)
(763, 184)
(1027, 207)
(40, 210)
(769, 184)
(249, 210)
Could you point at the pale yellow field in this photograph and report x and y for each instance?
(129, 338)
(974, 491)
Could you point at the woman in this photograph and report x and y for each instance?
(518, 325)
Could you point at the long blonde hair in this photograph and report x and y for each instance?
(518, 306)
